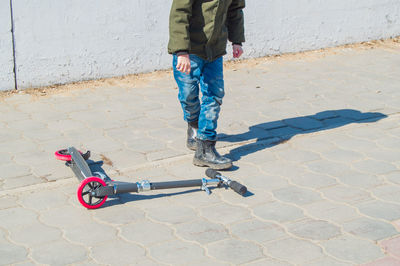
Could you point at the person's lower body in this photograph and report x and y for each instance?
(207, 77)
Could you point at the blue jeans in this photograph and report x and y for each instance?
(208, 75)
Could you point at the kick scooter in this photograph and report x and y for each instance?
(95, 187)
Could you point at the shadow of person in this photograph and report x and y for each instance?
(273, 133)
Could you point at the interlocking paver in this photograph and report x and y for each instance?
(296, 195)
(392, 246)
(387, 192)
(266, 182)
(368, 228)
(104, 144)
(8, 202)
(254, 197)
(293, 250)
(358, 145)
(346, 194)
(256, 230)
(146, 145)
(13, 115)
(329, 211)
(375, 167)
(284, 169)
(298, 156)
(65, 217)
(341, 155)
(168, 134)
(11, 253)
(13, 170)
(352, 249)
(177, 252)
(276, 211)
(26, 125)
(16, 217)
(119, 214)
(321, 164)
(66, 125)
(34, 159)
(224, 213)
(146, 123)
(125, 159)
(328, 261)
(146, 232)
(26, 263)
(380, 209)
(48, 115)
(54, 253)
(313, 180)
(21, 181)
(117, 253)
(386, 261)
(328, 167)
(268, 262)
(372, 133)
(393, 177)
(175, 214)
(360, 180)
(34, 234)
(232, 250)
(93, 233)
(389, 142)
(313, 143)
(52, 171)
(201, 231)
(196, 198)
(163, 154)
(314, 229)
(208, 261)
(5, 158)
(384, 154)
(43, 200)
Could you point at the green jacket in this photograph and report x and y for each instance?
(202, 27)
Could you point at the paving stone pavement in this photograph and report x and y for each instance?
(315, 138)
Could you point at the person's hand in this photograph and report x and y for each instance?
(237, 50)
(183, 64)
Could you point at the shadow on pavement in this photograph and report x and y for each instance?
(129, 197)
(273, 133)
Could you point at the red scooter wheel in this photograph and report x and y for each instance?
(63, 155)
(86, 190)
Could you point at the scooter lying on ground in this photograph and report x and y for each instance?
(95, 187)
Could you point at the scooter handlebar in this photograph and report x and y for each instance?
(235, 186)
(238, 188)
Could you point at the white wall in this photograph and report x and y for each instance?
(275, 27)
(6, 50)
(71, 40)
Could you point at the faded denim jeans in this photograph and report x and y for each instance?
(207, 77)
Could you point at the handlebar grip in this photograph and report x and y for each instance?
(238, 188)
(211, 173)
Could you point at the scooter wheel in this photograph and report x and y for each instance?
(63, 155)
(85, 192)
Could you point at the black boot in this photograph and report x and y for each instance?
(207, 155)
(191, 135)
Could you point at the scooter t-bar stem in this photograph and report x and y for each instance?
(122, 187)
(235, 186)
